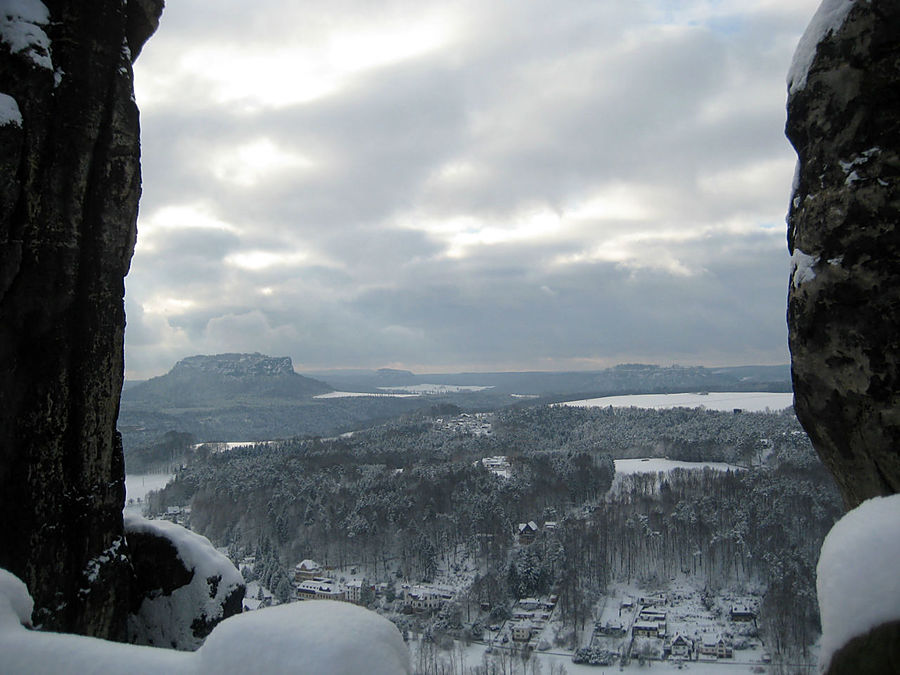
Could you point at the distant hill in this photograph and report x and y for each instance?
(247, 397)
(633, 378)
(224, 379)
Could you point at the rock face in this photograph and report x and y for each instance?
(844, 237)
(183, 586)
(235, 365)
(69, 188)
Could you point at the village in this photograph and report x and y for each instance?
(677, 624)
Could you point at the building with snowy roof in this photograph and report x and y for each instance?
(307, 569)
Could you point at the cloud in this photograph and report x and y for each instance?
(466, 184)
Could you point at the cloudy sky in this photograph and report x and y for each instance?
(502, 185)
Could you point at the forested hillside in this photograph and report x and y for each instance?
(406, 498)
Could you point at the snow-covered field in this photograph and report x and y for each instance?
(138, 485)
(750, 401)
(658, 464)
(348, 394)
(437, 388)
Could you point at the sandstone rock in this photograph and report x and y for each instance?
(183, 587)
(844, 237)
(69, 182)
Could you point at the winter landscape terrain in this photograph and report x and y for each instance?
(612, 533)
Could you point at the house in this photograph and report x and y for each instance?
(681, 647)
(742, 613)
(307, 569)
(718, 648)
(645, 629)
(650, 615)
(529, 603)
(521, 631)
(423, 598)
(551, 525)
(354, 591)
(320, 588)
(527, 532)
(612, 628)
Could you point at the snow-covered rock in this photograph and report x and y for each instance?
(9, 111)
(857, 580)
(186, 584)
(321, 637)
(21, 28)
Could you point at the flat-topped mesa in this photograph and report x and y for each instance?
(235, 365)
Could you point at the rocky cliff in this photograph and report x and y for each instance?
(843, 234)
(844, 296)
(69, 188)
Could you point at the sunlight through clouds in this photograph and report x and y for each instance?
(248, 164)
(517, 181)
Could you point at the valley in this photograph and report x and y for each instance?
(452, 520)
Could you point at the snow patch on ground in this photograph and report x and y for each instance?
(139, 484)
(20, 28)
(828, 18)
(314, 636)
(9, 111)
(434, 389)
(857, 580)
(346, 394)
(660, 465)
(752, 401)
(327, 638)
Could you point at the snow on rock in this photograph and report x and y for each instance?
(15, 602)
(802, 267)
(179, 613)
(322, 637)
(827, 19)
(9, 111)
(20, 28)
(857, 580)
(314, 636)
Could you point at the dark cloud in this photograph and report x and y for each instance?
(510, 185)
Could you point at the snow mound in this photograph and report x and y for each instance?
(182, 617)
(15, 602)
(857, 580)
(827, 19)
(322, 637)
(9, 111)
(20, 28)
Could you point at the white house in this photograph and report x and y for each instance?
(307, 569)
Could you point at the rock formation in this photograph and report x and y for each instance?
(183, 586)
(69, 188)
(844, 237)
(844, 294)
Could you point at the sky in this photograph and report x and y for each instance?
(466, 185)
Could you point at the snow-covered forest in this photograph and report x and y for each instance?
(411, 500)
